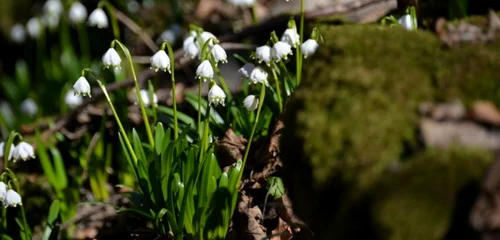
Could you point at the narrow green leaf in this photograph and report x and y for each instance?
(60, 169)
(138, 149)
(53, 212)
(159, 137)
(45, 161)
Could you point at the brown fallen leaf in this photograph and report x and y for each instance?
(230, 148)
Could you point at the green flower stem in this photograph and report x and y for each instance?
(298, 53)
(247, 149)
(138, 91)
(27, 232)
(84, 42)
(120, 126)
(172, 74)
(204, 140)
(114, 21)
(200, 85)
(278, 89)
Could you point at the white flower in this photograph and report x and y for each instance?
(2, 150)
(291, 37)
(29, 107)
(281, 50)
(263, 54)
(205, 36)
(216, 96)
(251, 102)
(23, 151)
(407, 22)
(160, 60)
(145, 98)
(3, 191)
(246, 70)
(98, 18)
(190, 47)
(17, 33)
(205, 71)
(258, 75)
(53, 7)
(82, 87)
(219, 54)
(12, 199)
(309, 47)
(242, 3)
(170, 34)
(73, 100)
(111, 59)
(51, 20)
(77, 13)
(34, 27)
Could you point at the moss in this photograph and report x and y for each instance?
(356, 110)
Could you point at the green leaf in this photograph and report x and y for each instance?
(60, 169)
(186, 119)
(159, 137)
(137, 212)
(53, 212)
(127, 156)
(193, 100)
(45, 161)
(138, 149)
(275, 187)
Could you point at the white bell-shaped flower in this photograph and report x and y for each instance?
(17, 33)
(242, 3)
(23, 151)
(205, 36)
(160, 60)
(73, 100)
(291, 37)
(190, 47)
(12, 199)
(263, 54)
(219, 54)
(246, 70)
(216, 96)
(98, 18)
(251, 102)
(258, 75)
(82, 87)
(34, 27)
(146, 99)
(29, 107)
(2, 149)
(53, 7)
(3, 191)
(280, 51)
(406, 22)
(111, 59)
(309, 47)
(77, 13)
(205, 71)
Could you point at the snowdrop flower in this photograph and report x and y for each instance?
(205, 36)
(34, 27)
(242, 3)
(263, 54)
(17, 33)
(407, 22)
(53, 7)
(291, 37)
(2, 149)
(246, 70)
(29, 107)
(205, 71)
(82, 87)
(190, 47)
(216, 96)
(281, 50)
(3, 191)
(145, 98)
(77, 13)
(258, 75)
(111, 59)
(23, 151)
(160, 60)
(309, 47)
(73, 100)
(12, 199)
(219, 54)
(251, 102)
(98, 18)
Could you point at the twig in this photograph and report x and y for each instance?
(137, 30)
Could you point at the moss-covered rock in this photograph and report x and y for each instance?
(356, 112)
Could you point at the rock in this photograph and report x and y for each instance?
(485, 112)
(356, 113)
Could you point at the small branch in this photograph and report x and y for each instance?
(137, 30)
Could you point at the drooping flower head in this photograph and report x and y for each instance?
(160, 60)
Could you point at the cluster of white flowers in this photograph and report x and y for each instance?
(9, 197)
(242, 3)
(23, 151)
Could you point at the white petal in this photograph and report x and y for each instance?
(82, 87)
(77, 13)
(111, 59)
(246, 70)
(216, 95)
(12, 199)
(205, 71)
(251, 102)
(98, 18)
(160, 60)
